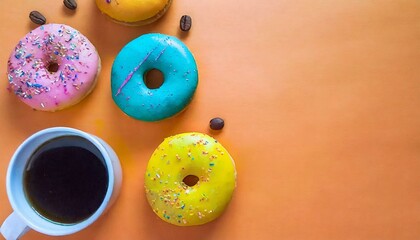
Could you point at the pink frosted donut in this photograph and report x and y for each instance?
(53, 67)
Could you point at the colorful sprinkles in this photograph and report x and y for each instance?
(182, 203)
(29, 74)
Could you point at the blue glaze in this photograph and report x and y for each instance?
(153, 51)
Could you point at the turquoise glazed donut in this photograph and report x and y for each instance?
(153, 51)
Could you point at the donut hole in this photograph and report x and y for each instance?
(190, 180)
(52, 67)
(153, 78)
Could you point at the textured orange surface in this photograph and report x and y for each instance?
(321, 101)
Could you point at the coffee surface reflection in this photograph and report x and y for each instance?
(66, 179)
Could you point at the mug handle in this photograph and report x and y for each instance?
(13, 227)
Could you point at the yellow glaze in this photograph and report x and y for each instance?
(190, 154)
(134, 12)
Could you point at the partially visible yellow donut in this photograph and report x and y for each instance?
(175, 164)
(134, 12)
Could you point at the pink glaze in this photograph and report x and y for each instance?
(78, 66)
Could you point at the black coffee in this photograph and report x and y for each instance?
(66, 179)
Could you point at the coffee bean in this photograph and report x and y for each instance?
(185, 23)
(70, 4)
(37, 18)
(217, 123)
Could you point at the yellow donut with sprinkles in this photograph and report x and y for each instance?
(190, 179)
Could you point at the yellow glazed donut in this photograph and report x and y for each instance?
(171, 177)
(134, 12)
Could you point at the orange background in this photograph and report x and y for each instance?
(321, 102)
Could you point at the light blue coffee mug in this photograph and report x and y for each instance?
(24, 216)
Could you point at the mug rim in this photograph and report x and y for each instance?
(60, 229)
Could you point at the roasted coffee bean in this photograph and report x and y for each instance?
(37, 18)
(70, 4)
(217, 123)
(185, 23)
